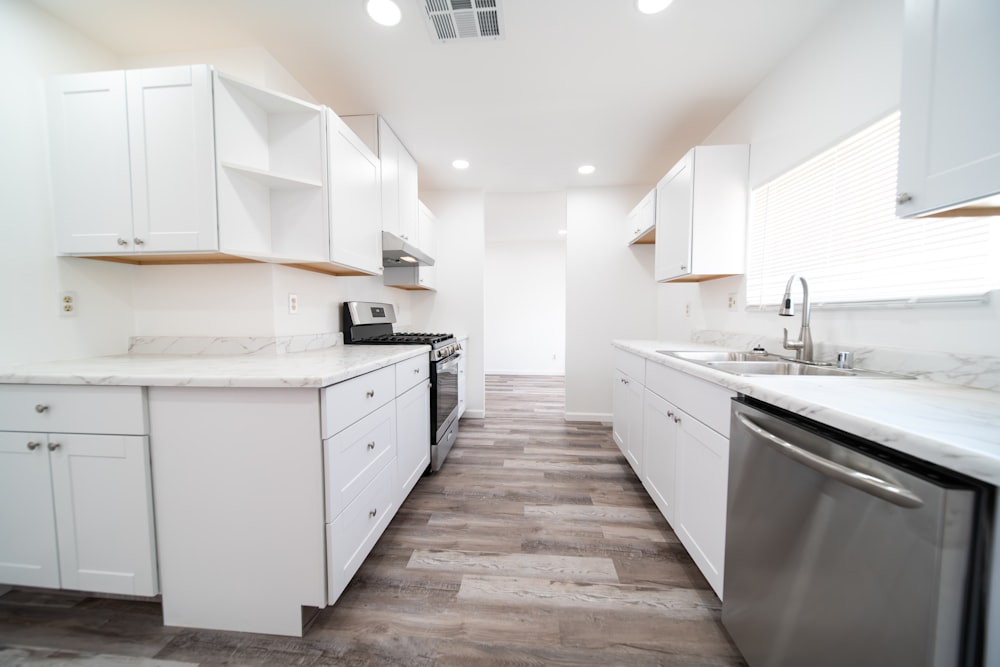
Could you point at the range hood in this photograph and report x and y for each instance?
(399, 252)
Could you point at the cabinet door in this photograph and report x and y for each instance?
(703, 463)
(462, 380)
(426, 231)
(949, 150)
(641, 221)
(171, 142)
(627, 429)
(659, 448)
(413, 437)
(389, 149)
(104, 513)
(91, 181)
(674, 195)
(409, 221)
(28, 554)
(355, 200)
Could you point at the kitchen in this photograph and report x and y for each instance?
(845, 74)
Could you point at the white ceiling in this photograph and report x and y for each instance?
(572, 82)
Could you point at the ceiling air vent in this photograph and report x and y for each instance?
(451, 20)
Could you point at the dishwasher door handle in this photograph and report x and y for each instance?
(870, 484)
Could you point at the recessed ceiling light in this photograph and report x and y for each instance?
(587, 169)
(383, 12)
(652, 6)
(460, 164)
(561, 232)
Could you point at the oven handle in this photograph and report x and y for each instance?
(869, 484)
(449, 363)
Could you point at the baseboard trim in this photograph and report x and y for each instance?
(603, 417)
(474, 414)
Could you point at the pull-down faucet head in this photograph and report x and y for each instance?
(803, 346)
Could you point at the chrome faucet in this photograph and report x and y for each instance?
(804, 345)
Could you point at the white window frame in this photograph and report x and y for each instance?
(832, 219)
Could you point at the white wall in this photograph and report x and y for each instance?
(525, 283)
(842, 78)
(611, 293)
(457, 306)
(525, 298)
(33, 46)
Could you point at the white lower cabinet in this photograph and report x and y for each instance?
(413, 428)
(660, 450)
(684, 452)
(702, 459)
(76, 507)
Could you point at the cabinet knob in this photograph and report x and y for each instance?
(138, 241)
(32, 446)
(416, 371)
(677, 420)
(372, 513)
(371, 445)
(122, 241)
(670, 413)
(370, 393)
(683, 267)
(53, 446)
(903, 197)
(41, 407)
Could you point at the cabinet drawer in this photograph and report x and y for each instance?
(347, 402)
(73, 409)
(410, 372)
(355, 455)
(706, 402)
(351, 536)
(631, 365)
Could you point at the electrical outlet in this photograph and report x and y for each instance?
(687, 310)
(731, 303)
(293, 304)
(68, 305)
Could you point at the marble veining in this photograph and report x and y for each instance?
(317, 368)
(968, 370)
(957, 427)
(228, 345)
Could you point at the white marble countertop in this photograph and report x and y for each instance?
(952, 426)
(317, 368)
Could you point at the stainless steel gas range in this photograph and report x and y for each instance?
(370, 323)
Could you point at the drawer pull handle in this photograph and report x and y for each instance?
(122, 241)
(372, 513)
(32, 446)
(370, 393)
(371, 445)
(53, 446)
(41, 407)
(138, 241)
(416, 371)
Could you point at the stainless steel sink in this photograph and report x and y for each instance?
(764, 363)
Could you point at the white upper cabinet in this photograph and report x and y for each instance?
(187, 165)
(133, 161)
(355, 200)
(172, 158)
(949, 152)
(701, 215)
(640, 225)
(271, 174)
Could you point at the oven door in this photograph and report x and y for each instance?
(444, 398)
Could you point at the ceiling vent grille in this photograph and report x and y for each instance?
(451, 20)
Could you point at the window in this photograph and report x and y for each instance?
(832, 219)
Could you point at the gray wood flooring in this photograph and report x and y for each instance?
(534, 545)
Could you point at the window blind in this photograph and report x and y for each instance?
(832, 219)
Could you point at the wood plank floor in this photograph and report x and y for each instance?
(534, 545)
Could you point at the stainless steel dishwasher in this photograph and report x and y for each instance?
(842, 552)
